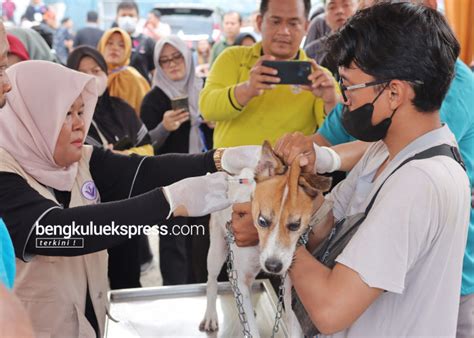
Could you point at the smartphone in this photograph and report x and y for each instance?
(123, 144)
(180, 102)
(291, 72)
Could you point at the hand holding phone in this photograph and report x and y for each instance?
(323, 85)
(172, 119)
(261, 78)
(180, 102)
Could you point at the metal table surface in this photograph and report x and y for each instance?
(176, 311)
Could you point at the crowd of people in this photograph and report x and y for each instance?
(123, 125)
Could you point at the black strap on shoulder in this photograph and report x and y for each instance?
(441, 150)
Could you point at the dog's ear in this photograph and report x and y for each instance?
(312, 183)
(269, 164)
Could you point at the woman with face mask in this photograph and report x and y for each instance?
(49, 178)
(123, 81)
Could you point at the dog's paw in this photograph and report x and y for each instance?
(209, 323)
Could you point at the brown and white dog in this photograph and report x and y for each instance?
(283, 201)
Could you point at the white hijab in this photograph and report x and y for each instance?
(190, 86)
(33, 116)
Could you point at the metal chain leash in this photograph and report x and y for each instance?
(279, 311)
(232, 273)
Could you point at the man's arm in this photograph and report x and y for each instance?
(223, 98)
(294, 144)
(334, 299)
(350, 153)
(217, 100)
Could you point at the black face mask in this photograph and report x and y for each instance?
(358, 122)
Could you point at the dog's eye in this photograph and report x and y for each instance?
(293, 226)
(263, 222)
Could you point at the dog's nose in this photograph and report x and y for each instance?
(273, 265)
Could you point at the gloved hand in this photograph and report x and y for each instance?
(198, 196)
(237, 158)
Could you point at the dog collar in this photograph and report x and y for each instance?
(316, 218)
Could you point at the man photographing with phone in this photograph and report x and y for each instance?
(246, 98)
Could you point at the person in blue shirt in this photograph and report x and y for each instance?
(7, 258)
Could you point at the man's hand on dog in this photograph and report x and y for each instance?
(291, 145)
(242, 225)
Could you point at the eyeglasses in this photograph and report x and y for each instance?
(368, 84)
(176, 58)
(358, 86)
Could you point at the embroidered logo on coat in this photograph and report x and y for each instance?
(295, 89)
(89, 190)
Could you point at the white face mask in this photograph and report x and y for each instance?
(127, 23)
(101, 81)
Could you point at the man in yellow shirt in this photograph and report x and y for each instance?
(238, 96)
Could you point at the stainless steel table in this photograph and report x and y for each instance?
(176, 311)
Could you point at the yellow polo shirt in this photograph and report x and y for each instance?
(278, 111)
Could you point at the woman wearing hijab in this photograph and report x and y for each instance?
(49, 178)
(115, 124)
(180, 133)
(245, 39)
(124, 81)
(174, 78)
(37, 48)
(115, 121)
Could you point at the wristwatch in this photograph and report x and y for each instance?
(218, 158)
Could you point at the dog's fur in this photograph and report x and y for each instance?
(283, 201)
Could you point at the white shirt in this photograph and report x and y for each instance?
(412, 241)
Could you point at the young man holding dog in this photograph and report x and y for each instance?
(244, 97)
(400, 274)
(456, 112)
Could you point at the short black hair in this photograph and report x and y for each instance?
(65, 19)
(92, 16)
(156, 12)
(232, 13)
(127, 5)
(401, 41)
(264, 6)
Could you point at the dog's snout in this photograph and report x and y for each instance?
(273, 265)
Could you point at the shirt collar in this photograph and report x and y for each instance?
(257, 52)
(433, 138)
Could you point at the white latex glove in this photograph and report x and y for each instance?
(199, 196)
(237, 158)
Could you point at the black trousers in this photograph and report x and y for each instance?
(174, 263)
(124, 264)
